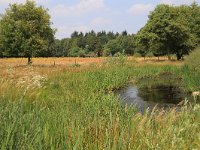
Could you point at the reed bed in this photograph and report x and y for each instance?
(75, 108)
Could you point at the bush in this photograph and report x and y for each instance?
(118, 59)
(118, 54)
(193, 61)
(81, 53)
(76, 52)
(137, 55)
(106, 52)
(150, 54)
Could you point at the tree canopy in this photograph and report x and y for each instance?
(25, 31)
(169, 31)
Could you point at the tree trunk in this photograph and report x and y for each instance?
(178, 56)
(168, 54)
(29, 60)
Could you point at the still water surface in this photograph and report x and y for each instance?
(163, 97)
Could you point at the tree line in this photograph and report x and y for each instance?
(92, 44)
(26, 31)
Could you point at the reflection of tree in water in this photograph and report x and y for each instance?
(162, 94)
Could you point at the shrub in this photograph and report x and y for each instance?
(81, 53)
(193, 61)
(119, 59)
(106, 52)
(75, 52)
(137, 55)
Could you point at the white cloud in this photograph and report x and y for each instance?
(176, 2)
(6, 2)
(65, 31)
(140, 9)
(100, 21)
(84, 6)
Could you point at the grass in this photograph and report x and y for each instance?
(68, 107)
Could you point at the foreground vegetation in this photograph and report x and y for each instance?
(75, 108)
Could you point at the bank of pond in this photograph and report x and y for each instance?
(163, 92)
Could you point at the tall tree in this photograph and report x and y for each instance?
(75, 34)
(25, 30)
(194, 20)
(167, 31)
(124, 33)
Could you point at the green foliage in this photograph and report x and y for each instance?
(118, 59)
(75, 65)
(113, 46)
(76, 52)
(193, 18)
(106, 52)
(78, 110)
(150, 54)
(168, 31)
(137, 54)
(123, 43)
(193, 60)
(25, 30)
(127, 44)
(81, 53)
(99, 44)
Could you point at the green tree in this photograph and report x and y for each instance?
(76, 52)
(167, 32)
(193, 18)
(106, 52)
(126, 44)
(65, 46)
(143, 40)
(25, 30)
(113, 46)
(75, 34)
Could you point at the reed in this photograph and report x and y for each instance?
(75, 108)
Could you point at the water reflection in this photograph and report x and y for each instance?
(164, 97)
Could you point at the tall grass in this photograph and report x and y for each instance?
(191, 71)
(78, 110)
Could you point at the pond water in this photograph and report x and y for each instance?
(163, 97)
(150, 93)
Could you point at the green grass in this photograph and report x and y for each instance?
(78, 110)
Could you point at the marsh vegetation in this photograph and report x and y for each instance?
(75, 108)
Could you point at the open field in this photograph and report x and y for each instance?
(18, 66)
(66, 107)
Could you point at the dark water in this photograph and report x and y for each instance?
(163, 97)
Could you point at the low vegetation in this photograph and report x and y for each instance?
(77, 109)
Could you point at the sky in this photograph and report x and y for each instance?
(86, 15)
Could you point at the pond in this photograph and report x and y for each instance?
(150, 93)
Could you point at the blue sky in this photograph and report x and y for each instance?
(109, 15)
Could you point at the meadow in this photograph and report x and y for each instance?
(68, 103)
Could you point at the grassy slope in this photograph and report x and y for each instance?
(77, 110)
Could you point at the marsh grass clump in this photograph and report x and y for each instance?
(192, 61)
(75, 65)
(118, 59)
(191, 71)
